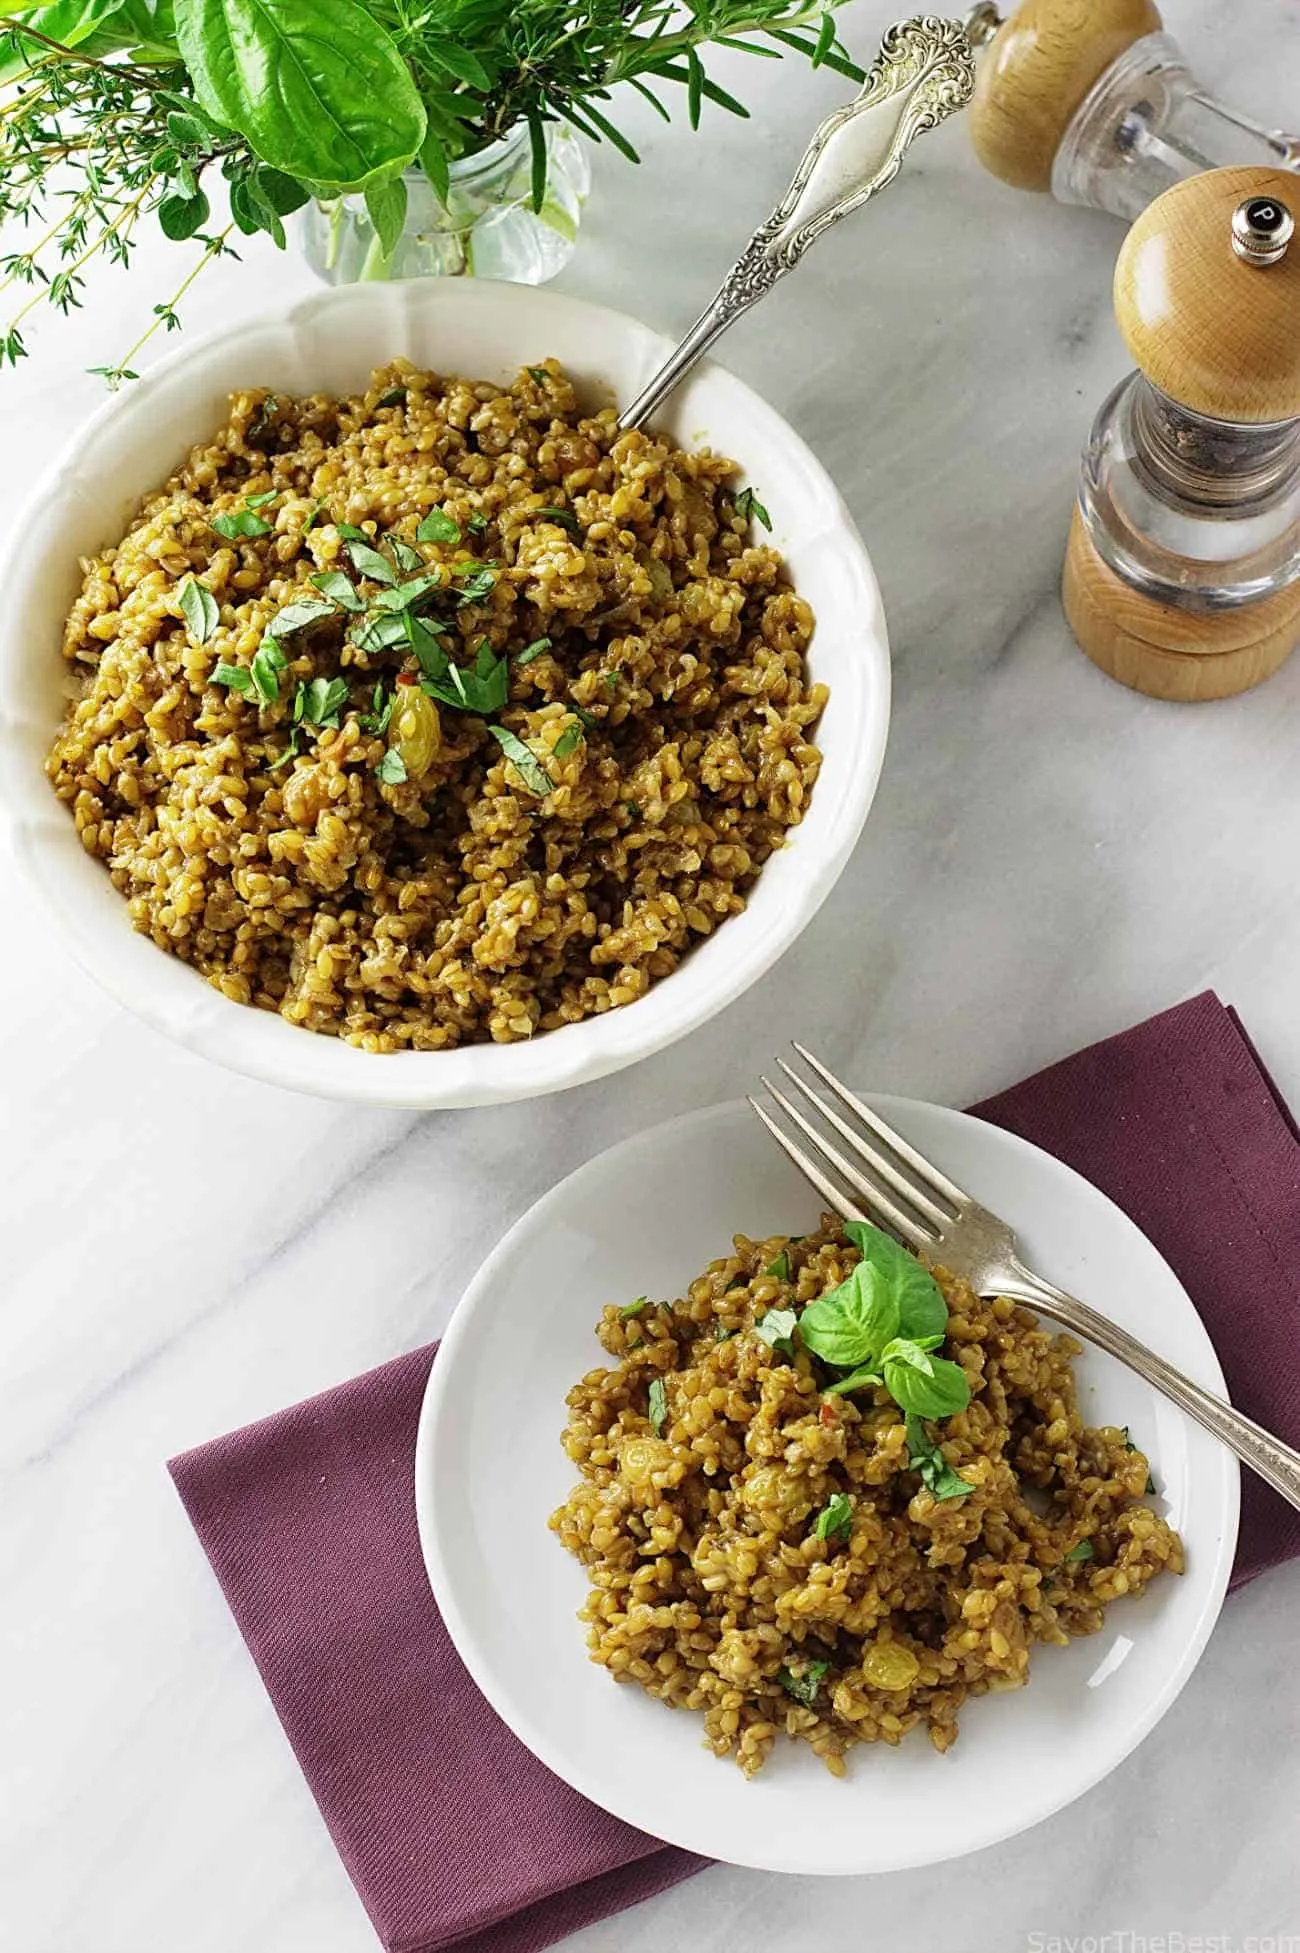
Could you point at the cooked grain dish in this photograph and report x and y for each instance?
(768, 1555)
(442, 713)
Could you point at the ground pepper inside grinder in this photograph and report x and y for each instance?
(1182, 574)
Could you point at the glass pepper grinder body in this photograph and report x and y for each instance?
(1092, 101)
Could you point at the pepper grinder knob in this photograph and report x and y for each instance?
(1182, 573)
(1207, 295)
(1037, 71)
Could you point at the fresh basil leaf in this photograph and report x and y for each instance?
(747, 504)
(199, 609)
(483, 688)
(406, 558)
(284, 194)
(1083, 1551)
(367, 561)
(318, 87)
(297, 616)
(780, 1267)
(313, 517)
(869, 1373)
(922, 1310)
(386, 209)
(571, 738)
(381, 710)
(391, 768)
(658, 1406)
(632, 1309)
(267, 664)
(236, 678)
(835, 1517)
(805, 1687)
(533, 650)
(338, 586)
(407, 594)
(925, 1457)
(565, 518)
(236, 524)
(349, 532)
(476, 524)
(941, 1393)
(901, 1349)
(422, 634)
(539, 373)
(525, 762)
(438, 527)
(776, 1328)
(851, 1324)
(290, 752)
(263, 500)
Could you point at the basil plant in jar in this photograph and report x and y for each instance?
(413, 136)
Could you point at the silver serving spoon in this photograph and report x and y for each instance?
(924, 72)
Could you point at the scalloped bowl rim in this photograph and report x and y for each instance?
(133, 440)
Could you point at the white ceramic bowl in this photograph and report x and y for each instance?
(331, 342)
(644, 1218)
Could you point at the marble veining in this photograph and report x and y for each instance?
(1049, 859)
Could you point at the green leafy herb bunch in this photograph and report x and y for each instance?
(114, 113)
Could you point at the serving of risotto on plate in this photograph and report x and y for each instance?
(832, 1493)
(441, 713)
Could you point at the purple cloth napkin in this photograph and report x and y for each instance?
(451, 1831)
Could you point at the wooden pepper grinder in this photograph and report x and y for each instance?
(1092, 100)
(1182, 574)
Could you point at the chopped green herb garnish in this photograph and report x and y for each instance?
(780, 1267)
(393, 398)
(263, 500)
(381, 710)
(564, 517)
(776, 1329)
(391, 768)
(525, 762)
(244, 521)
(367, 561)
(290, 752)
(658, 1406)
(609, 679)
(350, 533)
(477, 523)
(477, 585)
(199, 609)
(924, 1456)
(540, 374)
(438, 527)
(404, 595)
(380, 632)
(236, 678)
(804, 1688)
(1083, 1551)
(265, 415)
(569, 740)
(482, 687)
(533, 650)
(313, 517)
(318, 701)
(737, 1281)
(338, 586)
(835, 1517)
(722, 1334)
(747, 504)
(1150, 1485)
(297, 616)
(268, 662)
(404, 556)
(632, 1309)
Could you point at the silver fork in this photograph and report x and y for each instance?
(907, 1193)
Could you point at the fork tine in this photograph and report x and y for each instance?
(875, 1157)
(884, 1203)
(937, 1182)
(841, 1202)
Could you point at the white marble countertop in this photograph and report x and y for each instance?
(1050, 859)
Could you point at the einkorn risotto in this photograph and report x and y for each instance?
(438, 714)
(779, 1549)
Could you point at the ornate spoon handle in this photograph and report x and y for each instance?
(924, 71)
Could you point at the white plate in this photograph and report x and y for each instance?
(331, 342)
(647, 1217)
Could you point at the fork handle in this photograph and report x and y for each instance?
(1274, 1461)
